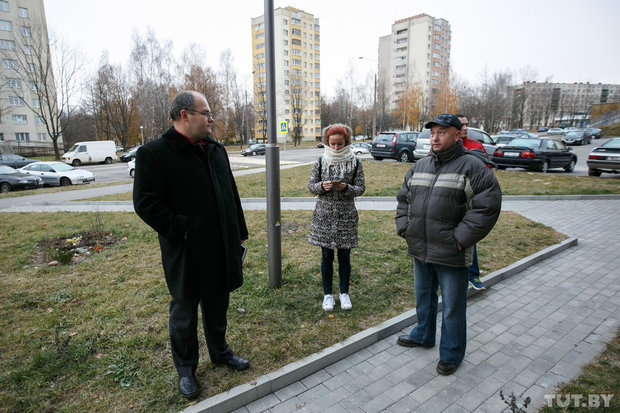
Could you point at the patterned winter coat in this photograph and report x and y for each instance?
(334, 223)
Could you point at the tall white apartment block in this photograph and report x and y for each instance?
(298, 73)
(416, 52)
(20, 127)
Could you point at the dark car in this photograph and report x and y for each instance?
(256, 149)
(596, 133)
(129, 156)
(538, 154)
(14, 161)
(10, 180)
(543, 129)
(397, 145)
(577, 137)
(605, 158)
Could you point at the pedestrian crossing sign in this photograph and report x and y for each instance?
(284, 127)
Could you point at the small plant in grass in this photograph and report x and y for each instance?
(511, 401)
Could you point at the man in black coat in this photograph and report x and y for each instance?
(184, 189)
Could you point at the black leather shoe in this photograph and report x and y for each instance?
(405, 341)
(188, 386)
(445, 369)
(236, 363)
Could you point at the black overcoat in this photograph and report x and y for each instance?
(186, 192)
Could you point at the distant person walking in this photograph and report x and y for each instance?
(337, 178)
(448, 201)
(184, 189)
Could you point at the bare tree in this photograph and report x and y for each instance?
(152, 64)
(51, 69)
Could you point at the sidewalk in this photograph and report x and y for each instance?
(527, 333)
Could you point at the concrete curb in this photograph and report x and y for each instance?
(274, 381)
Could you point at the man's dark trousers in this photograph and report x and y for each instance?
(183, 323)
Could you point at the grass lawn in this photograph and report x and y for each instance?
(92, 335)
(385, 179)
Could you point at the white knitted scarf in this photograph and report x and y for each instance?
(342, 159)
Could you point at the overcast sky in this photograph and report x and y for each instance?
(564, 40)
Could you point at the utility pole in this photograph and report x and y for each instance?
(274, 230)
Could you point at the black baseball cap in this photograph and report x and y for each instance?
(446, 120)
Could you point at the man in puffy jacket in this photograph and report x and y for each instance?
(448, 202)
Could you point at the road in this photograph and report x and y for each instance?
(118, 170)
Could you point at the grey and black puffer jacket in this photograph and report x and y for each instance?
(447, 200)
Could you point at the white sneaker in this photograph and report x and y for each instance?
(328, 302)
(345, 302)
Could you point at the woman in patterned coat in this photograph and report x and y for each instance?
(337, 178)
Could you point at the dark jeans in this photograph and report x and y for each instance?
(183, 323)
(453, 283)
(474, 270)
(327, 269)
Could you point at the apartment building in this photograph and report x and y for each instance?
(559, 104)
(416, 53)
(22, 28)
(297, 55)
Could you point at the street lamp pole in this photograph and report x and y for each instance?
(142, 133)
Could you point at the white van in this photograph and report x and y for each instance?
(91, 152)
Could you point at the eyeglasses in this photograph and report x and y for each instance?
(206, 113)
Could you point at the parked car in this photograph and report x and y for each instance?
(503, 140)
(555, 131)
(361, 147)
(58, 173)
(399, 145)
(14, 161)
(256, 149)
(605, 158)
(320, 145)
(131, 155)
(131, 167)
(596, 133)
(543, 129)
(484, 138)
(12, 179)
(537, 154)
(577, 137)
(423, 143)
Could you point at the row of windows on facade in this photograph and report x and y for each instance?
(21, 11)
(17, 101)
(435, 47)
(293, 51)
(316, 85)
(7, 26)
(435, 56)
(314, 56)
(402, 68)
(16, 83)
(25, 137)
(434, 82)
(294, 21)
(23, 119)
(10, 45)
(295, 32)
(295, 62)
(263, 131)
(436, 27)
(14, 64)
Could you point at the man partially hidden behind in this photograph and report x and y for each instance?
(472, 145)
(448, 202)
(184, 189)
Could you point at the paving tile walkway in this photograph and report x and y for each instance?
(526, 334)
